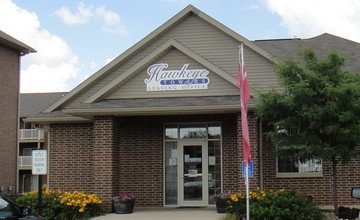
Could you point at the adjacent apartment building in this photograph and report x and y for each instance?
(162, 120)
(32, 136)
(11, 51)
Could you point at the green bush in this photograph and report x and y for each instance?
(275, 205)
(237, 205)
(51, 205)
(63, 205)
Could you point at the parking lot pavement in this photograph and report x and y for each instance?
(166, 214)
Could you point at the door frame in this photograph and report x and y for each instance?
(205, 173)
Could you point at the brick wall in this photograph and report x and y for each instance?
(106, 160)
(9, 92)
(141, 159)
(125, 154)
(129, 158)
(231, 155)
(141, 154)
(318, 187)
(254, 182)
(71, 156)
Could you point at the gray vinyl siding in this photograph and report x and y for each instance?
(136, 87)
(204, 40)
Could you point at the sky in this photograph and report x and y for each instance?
(75, 38)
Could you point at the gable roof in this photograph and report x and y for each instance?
(322, 45)
(189, 10)
(15, 44)
(171, 43)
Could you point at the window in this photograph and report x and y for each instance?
(291, 165)
(28, 125)
(28, 151)
(192, 132)
(30, 182)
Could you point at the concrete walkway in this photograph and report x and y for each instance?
(166, 214)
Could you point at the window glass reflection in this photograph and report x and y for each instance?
(171, 174)
(214, 153)
(214, 131)
(193, 133)
(171, 133)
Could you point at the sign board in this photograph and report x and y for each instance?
(39, 162)
(250, 169)
(185, 78)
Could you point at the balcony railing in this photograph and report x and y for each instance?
(25, 162)
(31, 134)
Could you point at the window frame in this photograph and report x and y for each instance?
(299, 173)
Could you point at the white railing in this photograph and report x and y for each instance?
(31, 134)
(25, 161)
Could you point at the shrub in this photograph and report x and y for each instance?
(51, 205)
(237, 205)
(275, 205)
(63, 205)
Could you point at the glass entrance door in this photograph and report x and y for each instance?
(193, 174)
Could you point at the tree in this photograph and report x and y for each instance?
(317, 111)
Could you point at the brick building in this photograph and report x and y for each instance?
(32, 136)
(162, 120)
(11, 51)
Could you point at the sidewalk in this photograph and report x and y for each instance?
(166, 214)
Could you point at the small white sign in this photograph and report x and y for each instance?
(39, 162)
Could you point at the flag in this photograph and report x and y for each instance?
(243, 83)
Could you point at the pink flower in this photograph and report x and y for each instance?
(124, 197)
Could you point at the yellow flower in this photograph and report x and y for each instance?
(234, 198)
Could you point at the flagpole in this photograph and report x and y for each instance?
(247, 191)
(246, 163)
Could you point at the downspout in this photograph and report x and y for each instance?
(261, 170)
(48, 174)
(48, 157)
(17, 182)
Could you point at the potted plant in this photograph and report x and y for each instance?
(221, 200)
(123, 203)
(348, 213)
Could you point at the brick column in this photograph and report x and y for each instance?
(9, 90)
(106, 162)
(254, 147)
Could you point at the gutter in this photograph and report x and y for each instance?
(261, 170)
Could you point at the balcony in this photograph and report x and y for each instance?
(25, 162)
(31, 135)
